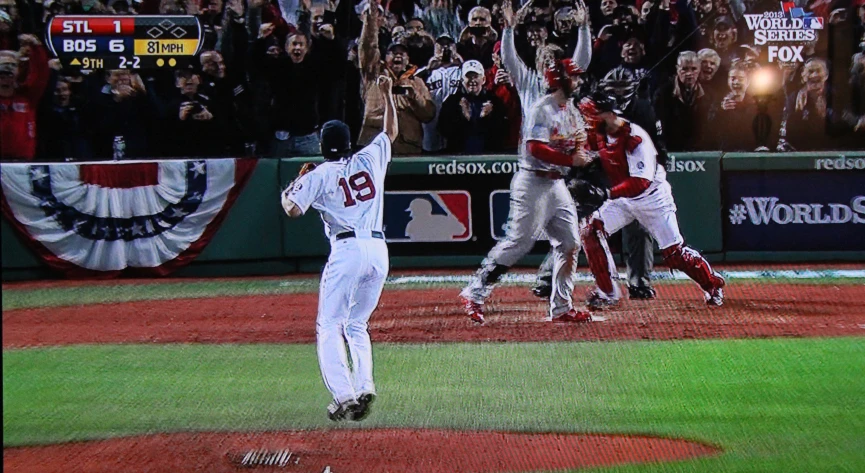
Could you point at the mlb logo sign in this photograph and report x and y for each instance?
(815, 23)
(427, 216)
(500, 207)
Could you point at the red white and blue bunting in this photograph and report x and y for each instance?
(138, 217)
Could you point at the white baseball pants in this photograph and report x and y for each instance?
(350, 288)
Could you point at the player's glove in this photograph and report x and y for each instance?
(588, 194)
(305, 169)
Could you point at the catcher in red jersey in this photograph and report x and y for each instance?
(639, 191)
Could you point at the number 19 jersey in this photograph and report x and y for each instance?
(349, 193)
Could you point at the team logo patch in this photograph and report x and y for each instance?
(640, 165)
(427, 216)
(500, 206)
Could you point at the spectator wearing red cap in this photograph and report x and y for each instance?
(19, 101)
(501, 84)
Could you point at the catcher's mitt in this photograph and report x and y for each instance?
(587, 194)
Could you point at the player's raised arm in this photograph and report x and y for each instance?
(391, 125)
(511, 59)
(583, 52)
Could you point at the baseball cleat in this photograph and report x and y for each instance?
(715, 297)
(600, 301)
(642, 293)
(474, 310)
(364, 401)
(342, 411)
(573, 316)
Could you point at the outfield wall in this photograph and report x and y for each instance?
(733, 207)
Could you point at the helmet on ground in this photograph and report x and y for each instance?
(335, 140)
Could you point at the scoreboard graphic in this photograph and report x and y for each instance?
(124, 42)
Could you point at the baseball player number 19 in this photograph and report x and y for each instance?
(360, 183)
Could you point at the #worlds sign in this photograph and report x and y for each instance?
(793, 211)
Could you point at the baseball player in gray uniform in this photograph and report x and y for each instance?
(348, 191)
(540, 200)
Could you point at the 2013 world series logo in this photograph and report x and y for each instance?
(791, 24)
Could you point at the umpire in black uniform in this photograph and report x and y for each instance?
(637, 244)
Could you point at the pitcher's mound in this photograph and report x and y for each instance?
(350, 451)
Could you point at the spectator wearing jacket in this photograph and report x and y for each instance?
(477, 40)
(19, 101)
(193, 115)
(62, 132)
(713, 77)
(472, 120)
(501, 84)
(123, 108)
(683, 107)
(294, 79)
(413, 102)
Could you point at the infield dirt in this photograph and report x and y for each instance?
(433, 315)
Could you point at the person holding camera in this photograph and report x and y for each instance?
(413, 102)
(21, 99)
(564, 35)
(611, 39)
(442, 76)
(192, 115)
(477, 39)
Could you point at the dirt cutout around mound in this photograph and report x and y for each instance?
(353, 451)
(428, 316)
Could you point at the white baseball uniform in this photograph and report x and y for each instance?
(654, 208)
(442, 83)
(349, 194)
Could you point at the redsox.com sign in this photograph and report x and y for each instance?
(790, 25)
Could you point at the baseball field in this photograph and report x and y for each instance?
(221, 375)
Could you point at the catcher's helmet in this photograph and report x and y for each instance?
(621, 84)
(335, 140)
(605, 103)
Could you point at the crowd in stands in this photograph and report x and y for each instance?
(271, 72)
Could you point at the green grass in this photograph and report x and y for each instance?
(777, 405)
(14, 298)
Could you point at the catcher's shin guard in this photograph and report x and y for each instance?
(594, 241)
(692, 263)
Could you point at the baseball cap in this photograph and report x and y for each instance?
(473, 66)
(395, 45)
(723, 20)
(8, 62)
(444, 37)
(563, 13)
